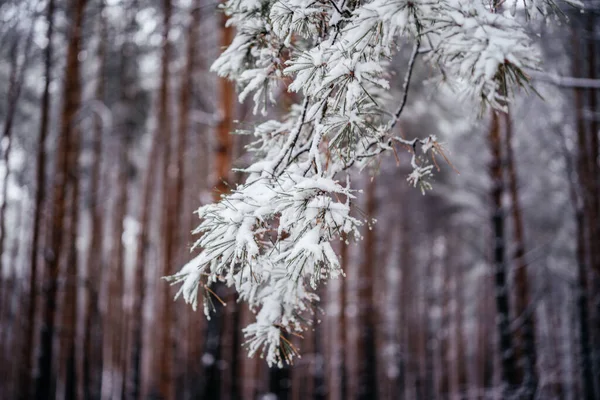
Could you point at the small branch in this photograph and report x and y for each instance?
(336, 7)
(291, 143)
(214, 294)
(406, 84)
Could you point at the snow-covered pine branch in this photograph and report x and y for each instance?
(271, 238)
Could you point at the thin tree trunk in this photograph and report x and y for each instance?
(593, 191)
(485, 360)
(15, 83)
(6, 288)
(368, 357)
(12, 323)
(135, 378)
(428, 364)
(127, 129)
(40, 179)
(223, 150)
(179, 210)
(68, 335)
(501, 284)
(91, 380)
(406, 268)
(524, 311)
(227, 105)
(460, 358)
(14, 93)
(164, 368)
(72, 98)
(137, 321)
(196, 171)
(444, 334)
(115, 312)
(580, 204)
(343, 339)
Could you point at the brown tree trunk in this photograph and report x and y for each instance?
(214, 326)
(6, 145)
(593, 190)
(406, 268)
(444, 340)
(580, 200)
(72, 99)
(15, 83)
(24, 385)
(501, 284)
(14, 93)
(460, 359)
(193, 170)
(226, 110)
(484, 357)
(139, 297)
(6, 286)
(367, 374)
(116, 315)
(179, 215)
(164, 367)
(127, 128)
(524, 310)
(134, 377)
(91, 379)
(12, 322)
(343, 340)
(68, 356)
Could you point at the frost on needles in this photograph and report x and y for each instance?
(271, 237)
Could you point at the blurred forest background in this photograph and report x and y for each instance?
(114, 130)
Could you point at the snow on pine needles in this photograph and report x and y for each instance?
(271, 237)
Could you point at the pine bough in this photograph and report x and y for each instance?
(271, 237)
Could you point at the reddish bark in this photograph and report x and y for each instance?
(40, 195)
(524, 310)
(72, 99)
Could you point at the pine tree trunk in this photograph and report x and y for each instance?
(444, 334)
(343, 340)
(139, 293)
(406, 268)
(12, 322)
(72, 99)
(12, 99)
(460, 359)
(196, 171)
(116, 315)
(68, 335)
(164, 368)
(524, 311)
(226, 109)
(428, 364)
(581, 204)
(484, 358)
(24, 385)
(593, 190)
(91, 380)
(180, 211)
(6, 285)
(223, 151)
(367, 352)
(15, 83)
(501, 284)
